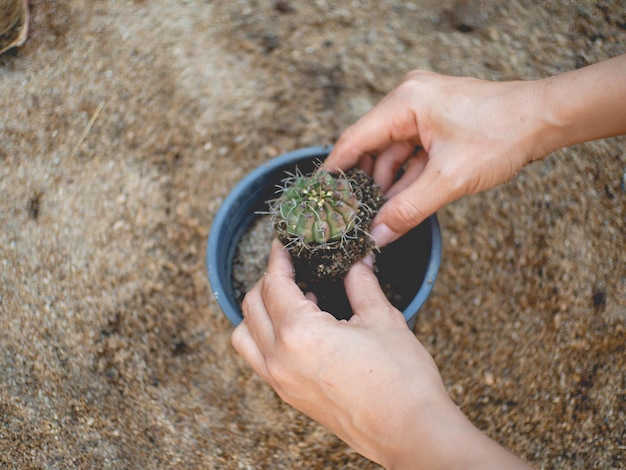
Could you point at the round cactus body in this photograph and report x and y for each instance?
(324, 219)
(316, 210)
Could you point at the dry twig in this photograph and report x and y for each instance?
(87, 128)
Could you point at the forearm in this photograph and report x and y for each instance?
(444, 438)
(583, 105)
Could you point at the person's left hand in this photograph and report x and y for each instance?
(368, 379)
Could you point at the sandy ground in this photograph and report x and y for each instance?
(113, 354)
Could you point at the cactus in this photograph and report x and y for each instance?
(324, 220)
(316, 211)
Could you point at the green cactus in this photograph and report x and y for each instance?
(324, 221)
(315, 211)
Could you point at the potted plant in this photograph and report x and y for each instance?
(406, 268)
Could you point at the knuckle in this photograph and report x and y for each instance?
(406, 89)
(292, 342)
(395, 316)
(236, 338)
(246, 304)
(269, 284)
(348, 143)
(294, 337)
(415, 81)
(417, 74)
(277, 371)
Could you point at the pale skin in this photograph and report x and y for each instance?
(385, 397)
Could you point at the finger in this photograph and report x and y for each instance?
(391, 120)
(244, 344)
(410, 207)
(279, 261)
(412, 170)
(389, 163)
(311, 296)
(367, 299)
(256, 317)
(366, 163)
(346, 152)
(283, 298)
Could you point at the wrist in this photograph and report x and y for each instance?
(539, 118)
(555, 121)
(425, 439)
(582, 105)
(441, 437)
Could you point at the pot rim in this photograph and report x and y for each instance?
(217, 259)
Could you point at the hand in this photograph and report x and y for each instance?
(368, 379)
(472, 135)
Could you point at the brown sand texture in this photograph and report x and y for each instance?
(125, 123)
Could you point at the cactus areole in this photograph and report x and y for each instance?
(323, 219)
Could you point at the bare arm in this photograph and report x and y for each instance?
(474, 134)
(586, 104)
(368, 380)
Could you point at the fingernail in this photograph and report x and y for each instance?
(383, 235)
(369, 260)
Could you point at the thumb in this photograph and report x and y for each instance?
(410, 206)
(366, 297)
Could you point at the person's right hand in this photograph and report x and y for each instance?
(472, 135)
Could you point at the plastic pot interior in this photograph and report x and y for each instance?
(409, 265)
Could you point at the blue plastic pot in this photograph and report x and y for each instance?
(409, 265)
